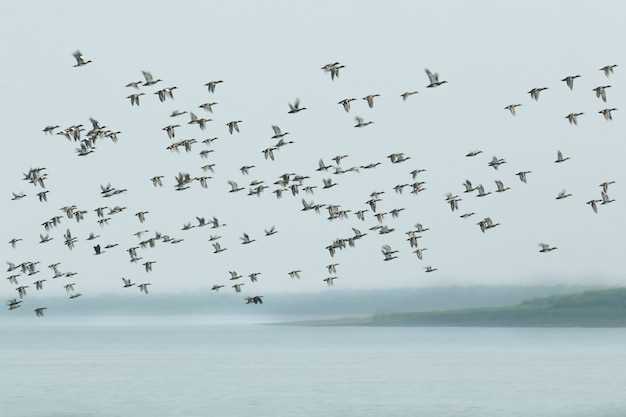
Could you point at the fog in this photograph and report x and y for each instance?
(269, 53)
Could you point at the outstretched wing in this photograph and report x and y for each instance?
(78, 56)
(148, 76)
(432, 77)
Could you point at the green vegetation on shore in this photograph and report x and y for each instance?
(600, 308)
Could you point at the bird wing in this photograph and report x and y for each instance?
(78, 56)
(431, 76)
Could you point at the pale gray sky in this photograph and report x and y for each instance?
(268, 53)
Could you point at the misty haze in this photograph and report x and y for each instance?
(304, 208)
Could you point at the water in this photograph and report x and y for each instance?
(242, 370)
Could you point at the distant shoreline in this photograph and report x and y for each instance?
(590, 309)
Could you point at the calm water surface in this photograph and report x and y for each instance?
(189, 370)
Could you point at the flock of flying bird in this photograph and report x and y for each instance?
(292, 184)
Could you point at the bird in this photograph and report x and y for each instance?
(170, 130)
(177, 113)
(572, 118)
(278, 133)
(535, 92)
(126, 283)
(144, 287)
(512, 108)
(607, 113)
(233, 126)
(481, 191)
(234, 275)
(522, 175)
(500, 188)
(141, 215)
(134, 98)
(39, 311)
(43, 196)
(200, 121)
(149, 79)
(560, 158)
(234, 187)
(473, 153)
(594, 205)
(468, 186)
(330, 281)
(245, 170)
(605, 185)
(563, 194)
(245, 239)
(238, 286)
(407, 94)
(48, 130)
(208, 106)
(148, 265)
(328, 183)
(13, 242)
(345, 103)
(486, 224)
(569, 81)
(217, 248)
(601, 92)
(254, 276)
(157, 181)
(605, 198)
(545, 248)
(608, 70)
(257, 299)
(97, 250)
(360, 122)
(370, 99)
(212, 84)
(44, 238)
(134, 84)
(388, 253)
(433, 79)
(295, 107)
(333, 68)
(496, 162)
(80, 59)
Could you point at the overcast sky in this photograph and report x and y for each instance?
(269, 53)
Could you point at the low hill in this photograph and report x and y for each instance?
(600, 308)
